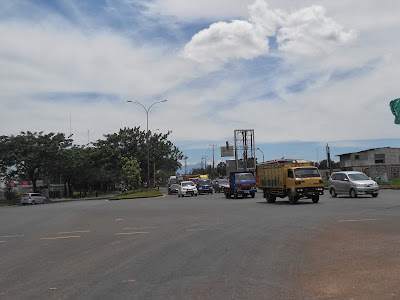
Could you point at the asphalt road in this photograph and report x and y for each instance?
(204, 247)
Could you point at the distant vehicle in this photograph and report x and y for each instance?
(352, 183)
(219, 185)
(292, 178)
(172, 179)
(204, 186)
(173, 189)
(241, 184)
(32, 198)
(187, 188)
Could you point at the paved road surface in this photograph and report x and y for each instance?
(204, 247)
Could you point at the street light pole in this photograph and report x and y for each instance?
(147, 134)
(261, 152)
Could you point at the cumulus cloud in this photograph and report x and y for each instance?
(307, 31)
(223, 41)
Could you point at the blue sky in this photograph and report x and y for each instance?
(300, 73)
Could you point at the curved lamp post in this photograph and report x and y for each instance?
(147, 135)
(261, 152)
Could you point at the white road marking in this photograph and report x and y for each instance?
(78, 231)
(61, 237)
(134, 228)
(120, 233)
(359, 220)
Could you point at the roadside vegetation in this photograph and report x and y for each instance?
(393, 182)
(138, 193)
(118, 159)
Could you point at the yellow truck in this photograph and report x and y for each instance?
(290, 178)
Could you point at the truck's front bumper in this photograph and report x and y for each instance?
(309, 191)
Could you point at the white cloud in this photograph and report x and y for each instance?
(224, 41)
(305, 32)
(336, 100)
(309, 32)
(195, 9)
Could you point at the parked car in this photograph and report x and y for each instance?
(220, 184)
(173, 189)
(204, 186)
(187, 188)
(33, 198)
(352, 183)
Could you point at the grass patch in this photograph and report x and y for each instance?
(390, 182)
(141, 193)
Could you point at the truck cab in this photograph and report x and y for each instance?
(241, 183)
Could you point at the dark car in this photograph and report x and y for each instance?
(173, 189)
(220, 184)
(204, 186)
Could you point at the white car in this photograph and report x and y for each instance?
(352, 183)
(187, 188)
(32, 198)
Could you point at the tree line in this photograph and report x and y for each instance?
(101, 165)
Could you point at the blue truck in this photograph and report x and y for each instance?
(241, 183)
(204, 186)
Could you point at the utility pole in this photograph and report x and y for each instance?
(185, 158)
(213, 165)
(205, 162)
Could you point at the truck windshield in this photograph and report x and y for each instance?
(306, 172)
(244, 176)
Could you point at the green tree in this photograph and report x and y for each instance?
(323, 164)
(221, 169)
(31, 154)
(132, 172)
(132, 143)
(73, 167)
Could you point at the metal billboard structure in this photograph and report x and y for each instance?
(245, 150)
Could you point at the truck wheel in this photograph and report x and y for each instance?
(253, 195)
(353, 193)
(315, 198)
(268, 196)
(292, 199)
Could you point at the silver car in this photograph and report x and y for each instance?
(352, 183)
(33, 198)
(187, 188)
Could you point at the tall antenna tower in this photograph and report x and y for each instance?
(245, 149)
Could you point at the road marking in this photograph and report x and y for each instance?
(10, 236)
(129, 280)
(61, 237)
(120, 233)
(119, 220)
(128, 228)
(80, 231)
(198, 229)
(359, 220)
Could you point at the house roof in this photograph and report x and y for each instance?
(367, 150)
